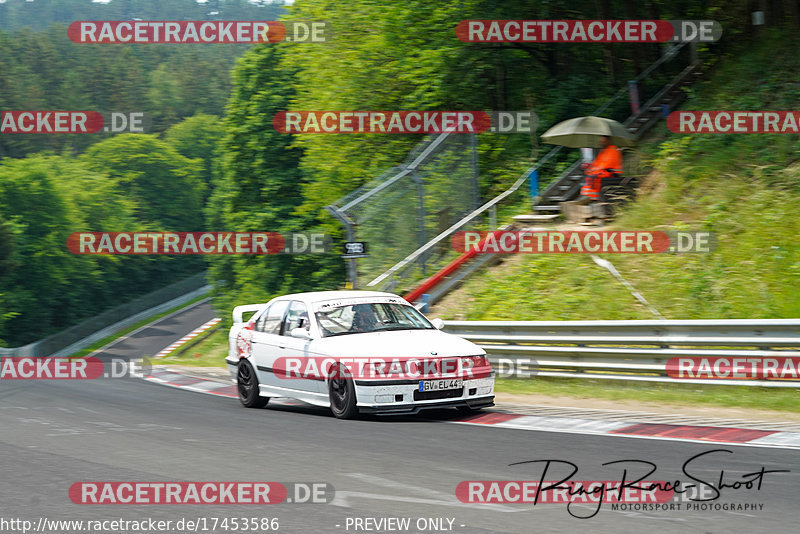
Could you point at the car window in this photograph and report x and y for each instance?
(261, 318)
(296, 318)
(370, 317)
(270, 321)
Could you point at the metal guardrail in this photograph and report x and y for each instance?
(108, 322)
(629, 350)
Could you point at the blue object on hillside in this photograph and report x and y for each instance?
(533, 180)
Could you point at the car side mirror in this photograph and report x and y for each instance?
(438, 323)
(300, 333)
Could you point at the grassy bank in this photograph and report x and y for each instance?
(744, 188)
(761, 398)
(208, 352)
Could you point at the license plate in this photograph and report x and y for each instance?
(438, 385)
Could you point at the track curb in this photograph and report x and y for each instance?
(572, 425)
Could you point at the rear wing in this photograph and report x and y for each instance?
(239, 311)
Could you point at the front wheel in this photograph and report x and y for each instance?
(247, 386)
(342, 393)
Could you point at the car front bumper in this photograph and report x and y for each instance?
(404, 396)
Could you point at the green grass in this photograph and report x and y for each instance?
(753, 273)
(208, 352)
(744, 188)
(762, 398)
(105, 341)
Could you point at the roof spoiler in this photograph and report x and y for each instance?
(239, 311)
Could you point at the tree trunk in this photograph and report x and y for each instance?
(629, 7)
(793, 12)
(655, 48)
(608, 48)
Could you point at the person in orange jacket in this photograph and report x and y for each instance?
(607, 163)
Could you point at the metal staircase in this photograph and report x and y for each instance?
(564, 188)
(567, 186)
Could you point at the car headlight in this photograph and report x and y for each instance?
(469, 362)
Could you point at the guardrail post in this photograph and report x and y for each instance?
(349, 224)
(633, 91)
(421, 239)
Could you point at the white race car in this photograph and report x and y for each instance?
(356, 352)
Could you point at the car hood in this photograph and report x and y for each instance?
(396, 344)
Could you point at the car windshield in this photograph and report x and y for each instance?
(370, 317)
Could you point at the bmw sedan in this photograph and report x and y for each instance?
(355, 352)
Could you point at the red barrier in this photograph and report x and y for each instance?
(449, 269)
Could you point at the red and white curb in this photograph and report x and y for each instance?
(572, 425)
(194, 333)
(175, 379)
(191, 383)
(674, 432)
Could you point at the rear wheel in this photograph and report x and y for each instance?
(342, 393)
(247, 386)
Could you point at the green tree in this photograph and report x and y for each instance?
(165, 96)
(199, 137)
(165, 187)
(260, 188)
(43, 199)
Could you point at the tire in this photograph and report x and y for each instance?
(247, 386)
(342, 393)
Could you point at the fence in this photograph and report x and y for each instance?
(104, 324)
(399, 211)
(630, 350)
(402, 275)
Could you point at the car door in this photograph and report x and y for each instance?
(297, 348)
(267, 341)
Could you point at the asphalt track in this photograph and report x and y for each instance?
(55, 433)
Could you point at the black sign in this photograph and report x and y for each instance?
(355, 248)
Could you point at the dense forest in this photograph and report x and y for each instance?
(52, 185)
(212, 159)
(38, 15)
